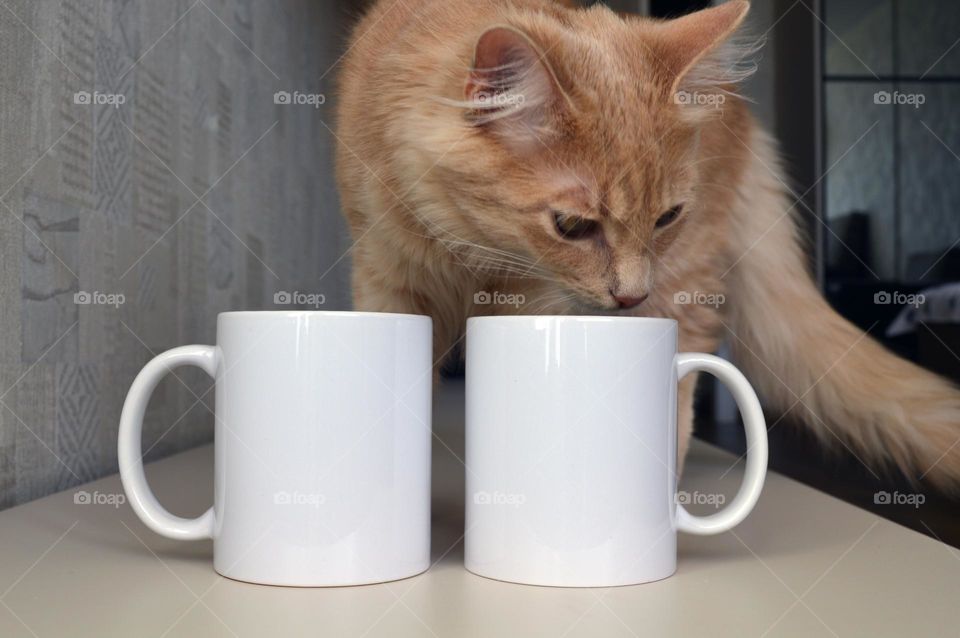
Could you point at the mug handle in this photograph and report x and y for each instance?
(756, 431)
(143, 501)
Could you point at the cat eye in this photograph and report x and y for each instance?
(574, 227)
(669, 217)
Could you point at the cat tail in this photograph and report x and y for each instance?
(805, 358)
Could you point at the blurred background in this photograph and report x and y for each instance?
(862, 95)
(163, 162)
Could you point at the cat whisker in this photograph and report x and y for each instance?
(548, 300)
(478, 263)
(512, 272)
(499, 262)
(520, 259)
(519, 268)
(499, 259)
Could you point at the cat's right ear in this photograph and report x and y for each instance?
(512, 91)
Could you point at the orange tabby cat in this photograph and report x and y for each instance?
(597, 163)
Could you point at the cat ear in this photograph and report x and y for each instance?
(697, 52)
(512, 90)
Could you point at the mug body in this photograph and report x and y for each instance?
(322, 445)
(571, 449)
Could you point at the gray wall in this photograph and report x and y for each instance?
(98, 198)
(902, 173)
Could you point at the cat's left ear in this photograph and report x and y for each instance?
(512, 90)
(694, 50)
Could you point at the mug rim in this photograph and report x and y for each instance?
(573, 319)
(356, 314)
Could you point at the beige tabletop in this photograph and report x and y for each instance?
(803, 564)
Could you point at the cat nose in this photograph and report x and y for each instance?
(625, 301)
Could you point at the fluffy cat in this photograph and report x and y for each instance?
(598, 163)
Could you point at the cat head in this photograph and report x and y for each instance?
(580, 143)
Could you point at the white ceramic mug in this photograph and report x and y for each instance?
(322, 447)
(571, 449)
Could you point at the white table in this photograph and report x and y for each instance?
(804, 564)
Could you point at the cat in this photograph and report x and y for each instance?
(590, 162)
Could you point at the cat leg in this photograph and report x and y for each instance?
(373, 293)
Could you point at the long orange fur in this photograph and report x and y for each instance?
(447, 196)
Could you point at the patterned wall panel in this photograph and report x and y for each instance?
(148, 181)
(929, 196)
